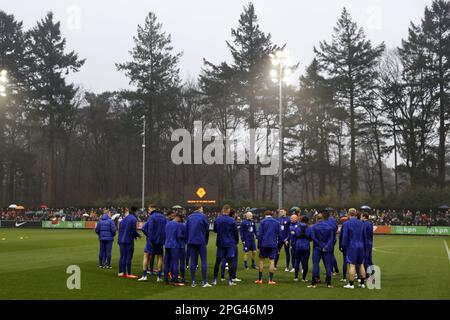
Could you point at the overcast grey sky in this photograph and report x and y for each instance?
(102, 31)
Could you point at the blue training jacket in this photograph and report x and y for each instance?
(368, 232)
(303, 237)
(353, 234)
(322, 235)
(248, 230)
(269, 233)
(285, 222)
(155, 228)
(174, 235)
(127, 230)
(227, 231)
(105, 228)
(183, 232)
(197, 229)
(292, 237)
(333, 224)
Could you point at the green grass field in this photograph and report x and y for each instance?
(33, 266)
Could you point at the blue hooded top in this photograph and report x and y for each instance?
(269, 233)
(127, 230)
(197, 229)
(155, 228)
(106, 228)
(227, 232)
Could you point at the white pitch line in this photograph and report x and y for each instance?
(448, 251)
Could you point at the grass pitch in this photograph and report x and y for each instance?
(33, 266)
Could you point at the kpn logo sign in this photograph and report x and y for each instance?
(200, 195)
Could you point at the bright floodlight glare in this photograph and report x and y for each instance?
(3, 79)
(2, 88)
(3, 73)
(273, 73)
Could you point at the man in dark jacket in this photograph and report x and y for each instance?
(127, 235)
(106, 230)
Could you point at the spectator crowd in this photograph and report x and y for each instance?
(378, 216)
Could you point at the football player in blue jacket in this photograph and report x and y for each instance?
(248, 233)
(322, 237)
(368, 233)
(155, 231)
(197, 237)
(333, 224)
(227, 238)
(292, 238)
(354, 242)
(173, 243)
(106, 230)
(285, 222)
(268, 239)
(302, 247)
(127, 235)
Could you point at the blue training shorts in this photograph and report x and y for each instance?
(154, 248)
(355, 255)
(249, 246)
(270, 253)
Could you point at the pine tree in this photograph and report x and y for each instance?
(52, 96)
(155, 74)
(417, 113)
(250, 49)
(14, 59)
(435, 27)
(315, 108)
(350, 60)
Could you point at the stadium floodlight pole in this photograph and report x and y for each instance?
(143, 163)
(280, 176)
(280, 59)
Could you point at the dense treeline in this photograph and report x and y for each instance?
(357, 108)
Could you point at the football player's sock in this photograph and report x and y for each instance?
(260, 276)
(159, 273)
(351, 282)
(245, 265)
(253, 263)
(270, 276)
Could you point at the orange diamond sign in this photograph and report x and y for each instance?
(201, 192)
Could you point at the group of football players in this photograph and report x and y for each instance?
(172, 241)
